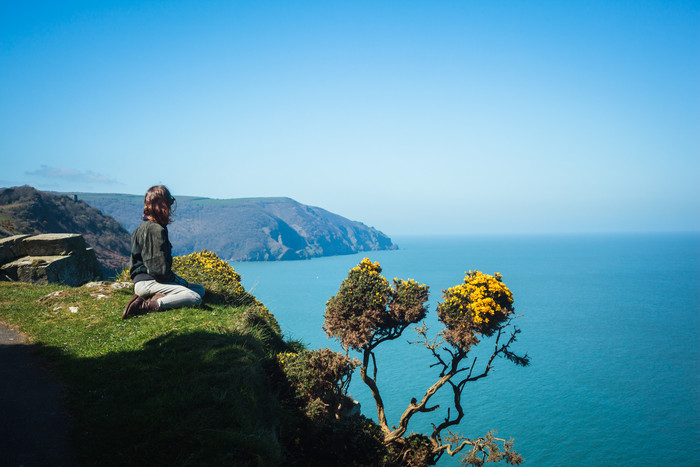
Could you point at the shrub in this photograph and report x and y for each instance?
(320, 379)
(358, 315)
(324, 429)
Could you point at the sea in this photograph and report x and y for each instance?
(611, 324)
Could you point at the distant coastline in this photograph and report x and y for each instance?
(251, 229)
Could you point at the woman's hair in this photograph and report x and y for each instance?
(158, 205)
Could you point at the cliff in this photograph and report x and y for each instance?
(250, 229)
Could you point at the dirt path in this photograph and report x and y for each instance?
(34, 426)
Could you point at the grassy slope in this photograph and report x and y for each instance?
(183, 387)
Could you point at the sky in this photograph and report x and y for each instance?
(414, 117)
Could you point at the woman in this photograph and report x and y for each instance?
(156, 287)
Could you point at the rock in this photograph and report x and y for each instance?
(49, 258)
(10, 248)
(52, 295)
(52, 244)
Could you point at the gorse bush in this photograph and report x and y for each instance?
(358, 313)
(478, 306)
(320, 379)
(215, 274)
(222, 284)
(321, 424)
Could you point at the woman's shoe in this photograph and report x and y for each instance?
(152, 303)
(139, 306)
(132, 308)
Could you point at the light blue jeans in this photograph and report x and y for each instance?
(177, 294)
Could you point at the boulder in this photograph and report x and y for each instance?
(10, 248)
(53, 245)
(48, 258)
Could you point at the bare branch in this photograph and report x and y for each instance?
(374, 365)
(472, 368)
(372, 384)
(415, 408)
(457, 399)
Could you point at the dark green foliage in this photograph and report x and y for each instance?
(319, 426)
(415, 450)
(348, 441)
(320, 379)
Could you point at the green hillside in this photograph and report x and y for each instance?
(250, 229)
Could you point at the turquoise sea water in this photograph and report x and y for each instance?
(611, 323)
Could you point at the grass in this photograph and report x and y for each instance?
(182, 387)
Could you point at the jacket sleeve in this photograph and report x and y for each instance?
(157, 256)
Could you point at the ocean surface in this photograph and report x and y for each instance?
(611, 323)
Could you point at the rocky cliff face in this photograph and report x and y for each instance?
(251, 229)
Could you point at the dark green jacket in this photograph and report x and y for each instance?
(151, 252)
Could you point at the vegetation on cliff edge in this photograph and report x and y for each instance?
(219, 385)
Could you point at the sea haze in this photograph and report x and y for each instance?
(611, 324)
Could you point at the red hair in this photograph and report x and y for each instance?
(158, 204)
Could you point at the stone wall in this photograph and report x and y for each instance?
(48, 258)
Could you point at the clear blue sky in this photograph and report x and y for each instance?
(410, 116)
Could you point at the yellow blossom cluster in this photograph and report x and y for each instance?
(206, 266)
(370, 284)
(283, 357)
(368, 266)
(481, 298)
(221, 281)
(409, 283)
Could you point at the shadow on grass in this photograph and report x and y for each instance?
(34, 427)
(198, 398)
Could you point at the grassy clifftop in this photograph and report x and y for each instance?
(175, 388)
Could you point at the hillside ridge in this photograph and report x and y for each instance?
(250, 229)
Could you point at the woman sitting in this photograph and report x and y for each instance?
(156, 287)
